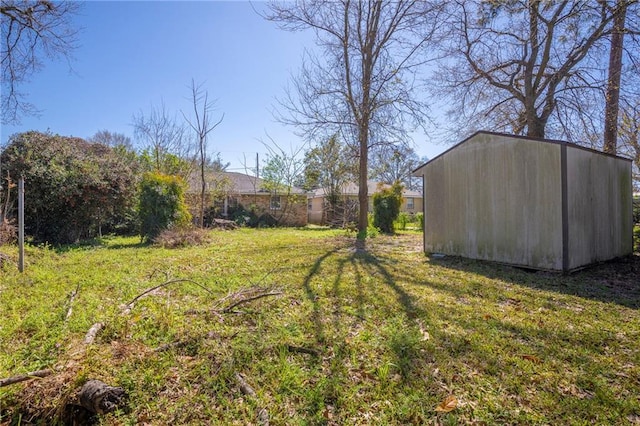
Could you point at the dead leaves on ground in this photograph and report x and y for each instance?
(449, 404)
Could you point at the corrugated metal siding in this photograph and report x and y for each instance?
(496, 198)
(599, 191)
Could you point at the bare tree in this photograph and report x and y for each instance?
(165, 141)
(395, 164)
(31, 30)
(612, 95)
(330, 166)
(363, 86)
(629, 134)
(521, 64)
(202, 126)
(282, 173)
(112, 139)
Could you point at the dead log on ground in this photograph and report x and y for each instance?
(224, 224)
(100, 398)
(92, 333)
(263, 415)
(24, 377)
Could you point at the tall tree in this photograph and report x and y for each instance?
(330, 166)
(31, 30)
(395, 164)
(363, 86)
(517, 65)
(202, 125)
(112, 139)
(629, 134)
(612, 95)
(166, 143)
(282, 173)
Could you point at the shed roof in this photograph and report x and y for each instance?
(552, 141)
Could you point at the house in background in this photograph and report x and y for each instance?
(318, 206)
(231, 193)
(535, 203)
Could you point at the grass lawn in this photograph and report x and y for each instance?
(385, 336)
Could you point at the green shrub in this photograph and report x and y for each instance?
(74, 190)
(386, 207)
(420, 219)
(403, 219)
(162, 204)
(636, 239)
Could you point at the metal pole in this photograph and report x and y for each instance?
(21, 224)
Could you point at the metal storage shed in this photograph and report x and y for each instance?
(535, 203)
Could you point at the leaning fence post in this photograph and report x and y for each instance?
(21, 224)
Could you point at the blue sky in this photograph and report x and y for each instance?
(133, 55)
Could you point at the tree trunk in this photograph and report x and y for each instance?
(612, 97)
(535, 126)
(363, 187)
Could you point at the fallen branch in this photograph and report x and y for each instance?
(302, 350)
(24, 377)
(93, 331)
(74, 293)
(263, 415)
(249, 299)
(129, 306)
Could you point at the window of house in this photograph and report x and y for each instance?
(275, 202)
(309, 204)
(410, 205)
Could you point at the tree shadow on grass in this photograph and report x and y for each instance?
(616, 281)
(343, 285)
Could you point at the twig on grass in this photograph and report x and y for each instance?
(263, 415)
(129, 306)
(24, 377)
(229, 308)
(74, 293)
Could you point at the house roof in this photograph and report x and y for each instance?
(239, 183)
(552, 141)
(351, 189)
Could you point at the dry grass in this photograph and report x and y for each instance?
(182, 237)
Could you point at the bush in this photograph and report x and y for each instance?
(181, 237)
(162, 205)
(8, 232)
(386, 207)
(636, 239)
(420, 220)
(73, 188)
(403, 219)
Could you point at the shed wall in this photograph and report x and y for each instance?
(599, 200)
(496, 198)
